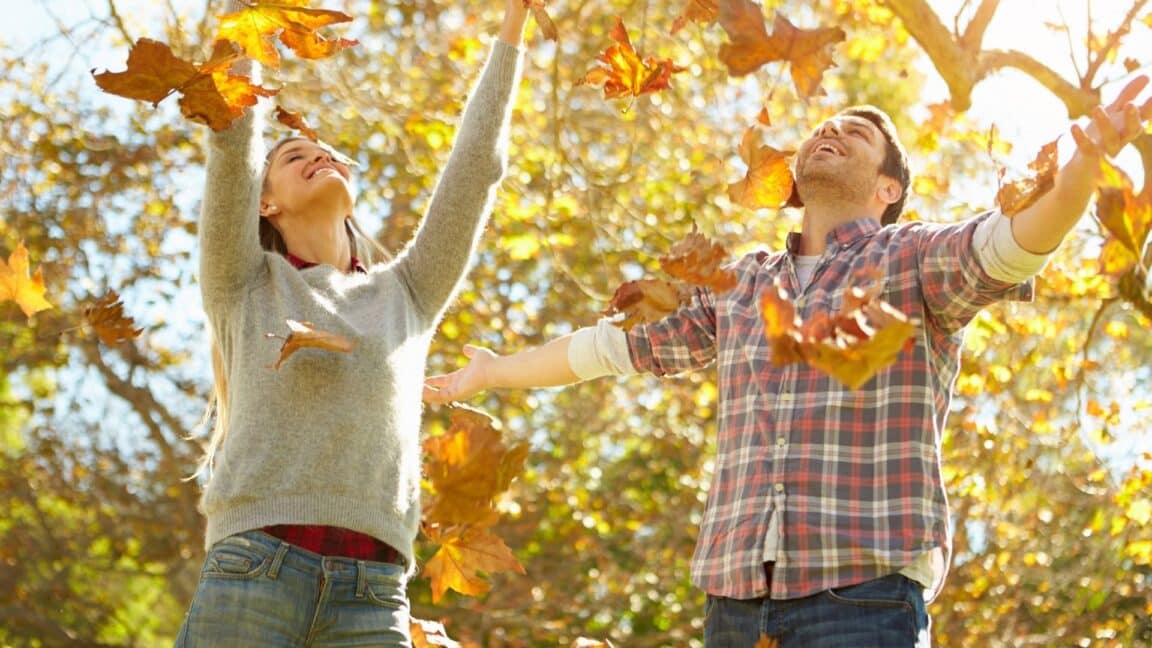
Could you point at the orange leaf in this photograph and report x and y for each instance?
(768, 182)
(1015, 196)
(543, 20)
(304, 336)
(106, 317)
(702, 12)
(297, 122)
(153, 73)
(622, 72)
(464, 554)
(254, 28)
(645, 300)
(697, 260)
(1125, 215)
(767, 642)
(847, 346)
(18, 285)
(750, 46)
(426, 634)
(468, 466)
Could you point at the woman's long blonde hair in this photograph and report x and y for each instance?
(363, 247)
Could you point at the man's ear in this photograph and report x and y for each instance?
(888, 190)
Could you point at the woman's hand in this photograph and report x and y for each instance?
(465, 383)
(515, 15)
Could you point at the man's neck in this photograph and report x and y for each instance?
(820, 220)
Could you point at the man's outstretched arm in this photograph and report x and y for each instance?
(1041, 227)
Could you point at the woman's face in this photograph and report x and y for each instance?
(305, 178)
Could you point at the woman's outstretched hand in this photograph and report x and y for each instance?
(461, 384)
(515, 15)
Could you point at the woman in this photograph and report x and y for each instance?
(312, 500)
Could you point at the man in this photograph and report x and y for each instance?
(827, 521)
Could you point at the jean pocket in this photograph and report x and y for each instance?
(888, 592)
(387, 595)
(235, 561)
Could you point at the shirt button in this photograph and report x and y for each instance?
(779, 488)
(781, 441)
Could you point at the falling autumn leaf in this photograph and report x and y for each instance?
(296, 122)
(255, 28)
(767, 642)
(622, 72)
(426, 634)
(468, 466)
(768, 182)
(304, 336)
(698, 260)
(1125, 215)
(543, 20)
(18, 285)
(702, 12)
(1013, 197)
(808, 51)
(464, 555)
(106, 317)
(645, 300)
(847, 345)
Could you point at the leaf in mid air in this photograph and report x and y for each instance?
(808, 51)
(465, 554)
(427, 634)
(16, 284)
(106, 317)
(698, 260)
(702, 12)
(296, 121)
(255, 27)
(304, 336)
(645, 300)
(622, 72)
(1013, 197)
(853, 345)
(153, 73)
(1125, 215)
(768, 182)
(468, 466)
(543, 20)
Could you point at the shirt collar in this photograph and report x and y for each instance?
(301, 264)
(842, 235)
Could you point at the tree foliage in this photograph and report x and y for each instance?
(100, 541)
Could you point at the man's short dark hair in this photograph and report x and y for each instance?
(895, 163)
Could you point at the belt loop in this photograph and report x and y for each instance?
(278, 559)
(361, 578)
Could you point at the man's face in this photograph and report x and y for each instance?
(844, 154)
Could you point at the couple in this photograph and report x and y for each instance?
(827, 520)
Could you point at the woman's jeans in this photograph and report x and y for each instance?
(257, 590)
(887, 612)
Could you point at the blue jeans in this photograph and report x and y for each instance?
(887, 612)
(257, 590)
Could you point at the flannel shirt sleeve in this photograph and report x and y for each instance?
(682, 341)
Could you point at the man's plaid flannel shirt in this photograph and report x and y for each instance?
(856, 475)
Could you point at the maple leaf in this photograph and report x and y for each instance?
(543, 20)
(702, 12)
(1013, 197)
(107, 319)
(622, 72)
(304, 336)
(768, 182)
(18, 285)
(468, 466)
(465, 553)
(846, 346)
(645, 300)
(1125, 215)
(697, 260)
(429, 633)
(255, 28)
(296, 121)
(750, 46)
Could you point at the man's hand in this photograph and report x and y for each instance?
(1115, 125)
(461, 384)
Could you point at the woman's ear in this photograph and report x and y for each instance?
(268, 209)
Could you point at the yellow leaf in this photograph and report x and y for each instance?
(464, 554)
(16, 283)
(1140, 511)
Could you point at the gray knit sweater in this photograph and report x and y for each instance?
(333, 438)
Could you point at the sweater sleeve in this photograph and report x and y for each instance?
(230, 254)
(435, 262)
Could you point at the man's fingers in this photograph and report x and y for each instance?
(1086, 144)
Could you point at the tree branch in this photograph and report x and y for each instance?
(1076, 100)
(953, 62)
(974, 33)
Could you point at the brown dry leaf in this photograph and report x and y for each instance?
(768, 182)
(645, 300)
(543, 20)
(749, 47)
(702, 12)
(622, 72)
(426, 634)
(255, 27)
(465, 554)
(304, 336)
(296, 121)
(468, 466)
(698, 260)
(1015, 196)
(106, 317)
(16, 284)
